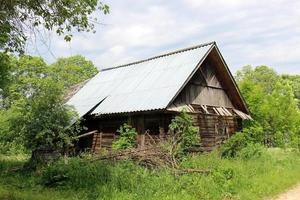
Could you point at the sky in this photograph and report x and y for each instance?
(247, 32)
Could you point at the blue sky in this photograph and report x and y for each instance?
(248, 32)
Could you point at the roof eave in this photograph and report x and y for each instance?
(233, 80)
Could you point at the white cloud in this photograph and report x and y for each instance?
(215, 3)
(248, 32)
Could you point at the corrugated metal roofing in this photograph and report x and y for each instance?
(144, 85)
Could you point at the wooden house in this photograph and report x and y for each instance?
(148, 94)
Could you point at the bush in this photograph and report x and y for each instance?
(252, 150)
(243, 144)
(184, 134)
(127, 138)
(233, 145)
(12, 148)
(75, 173)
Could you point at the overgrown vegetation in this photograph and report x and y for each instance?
(240, 145)
(127, 138)
(261, 160)
(272, 100)
(166, 152)
(184, 134)
(80, 178)
(33, 115)
(40, 121)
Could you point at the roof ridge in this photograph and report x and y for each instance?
(159, 56)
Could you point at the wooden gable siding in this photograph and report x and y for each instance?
(215, 59)
(204, 88)
(207, 87)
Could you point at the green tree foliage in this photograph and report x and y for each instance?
(262, 75)
(244, 143)
(25, 75)
(20, 75)
(295, 83)
(184, 134)
(18, 18)
(72, 70)
(41, 121)
(127, 138)
(32, 109)
(271, 101)
(6, 63)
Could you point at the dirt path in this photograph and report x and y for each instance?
(292, 194)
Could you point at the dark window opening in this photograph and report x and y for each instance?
(152, 126)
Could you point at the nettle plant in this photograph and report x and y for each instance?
(184, 134)
(127, 138)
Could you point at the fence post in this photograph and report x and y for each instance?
(142, 140)
(100, 138)
(162, 132)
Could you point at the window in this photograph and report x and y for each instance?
(152, 125)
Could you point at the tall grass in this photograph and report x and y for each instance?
(77, 178)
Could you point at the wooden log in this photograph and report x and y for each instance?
(185, 171)
(142, 141)
(86, 134)
(161, 132)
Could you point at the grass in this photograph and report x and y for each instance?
(76, 178)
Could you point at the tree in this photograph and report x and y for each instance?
(272, 105)
(42, 123)
(6, 64)
(39, 121)
(42, 119)
(295, 83)
(264, 76)
(18, 18)
(283, 115)
(23, 74)
(34, 114)
(20, 75)
(72, 70)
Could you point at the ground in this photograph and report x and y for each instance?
(274, 172)
(292, 194)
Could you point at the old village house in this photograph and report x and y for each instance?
(149, 93)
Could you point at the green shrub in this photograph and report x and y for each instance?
(245, 144)
(184, 134)
(252, 150)
(254, 133)
(127, 138)
(75, 173)
(233, 145)
(12, 148)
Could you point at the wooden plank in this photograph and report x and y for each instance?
(216, 111)
(142, 140)
(204, 107)
(227, 111)
(161, 132)
(86, 134)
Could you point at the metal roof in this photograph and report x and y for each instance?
(149, 84)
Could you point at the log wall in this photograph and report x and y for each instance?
(214, 130)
